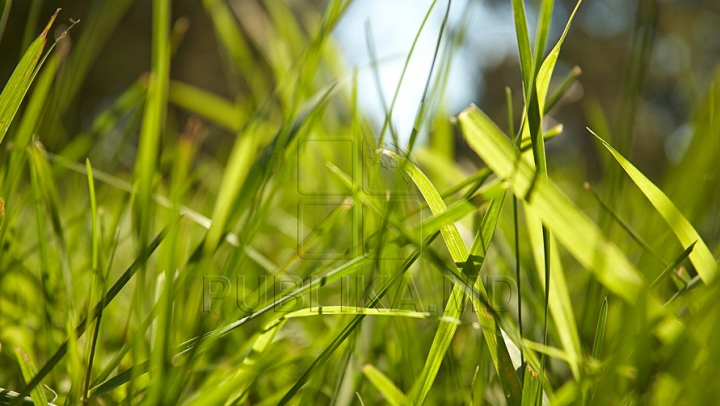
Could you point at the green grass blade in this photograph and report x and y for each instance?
(80, 329)
(118, 380)
(461, 256)
(154, 119)
(97, 280)
(28, 123)
(600, 330)
(531, 386)
(451, 235)
(701, 257)
(269, 332)
(384, 385)
(27, 367)
(21, 79)
(4, 17)
(8, 397)
(570, 79)
(428, 228)
(679, 260)
(238, 167)
(561, 307)
(46, 275)
(548, 66)
(31, 23)
(498, 344)
(568, 223)
(541, 84)
(423, 107)
(233, 41)
(523, 38)
(543, 29)
(624, 224)
(51, 197)
(205, 104)
(262, 341)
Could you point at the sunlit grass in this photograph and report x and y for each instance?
(312, 258)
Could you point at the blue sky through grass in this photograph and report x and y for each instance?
(394, 26)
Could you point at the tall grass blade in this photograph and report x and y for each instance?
(238, 168)
(570, 225)
(701, 257)
(624, 224)
(384, 385)
(21, 79)
(600, 330)
(27, 367)
(524, 48)
(97, 280)
(472, 260)
(154, 119)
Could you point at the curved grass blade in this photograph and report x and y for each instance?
(543, 29)
(469, 261)
(539, 95)
(569, 224)
(624, 224)
(261, 342)
(27, 367)
(701, 257)
(28, 123)
(548, 66)
(384, 385)
(428, 228)
(21, 79)
(600, 330)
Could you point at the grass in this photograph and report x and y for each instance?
(274, 249)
